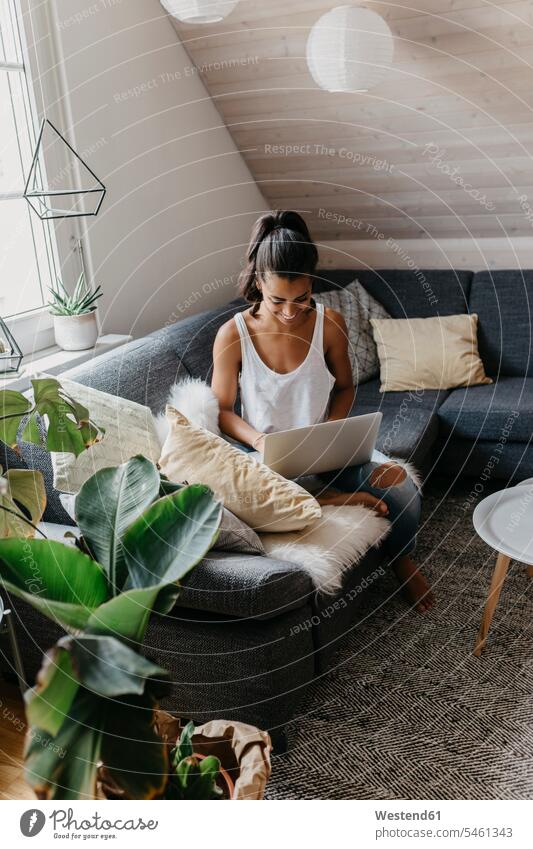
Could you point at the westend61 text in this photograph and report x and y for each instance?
(407, 815)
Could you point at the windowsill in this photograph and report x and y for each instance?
(34, 331)
(54, 361)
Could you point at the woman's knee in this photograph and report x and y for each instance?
(386, 475)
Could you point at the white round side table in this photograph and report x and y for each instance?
(504, 520)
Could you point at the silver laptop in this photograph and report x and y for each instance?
(322, 447)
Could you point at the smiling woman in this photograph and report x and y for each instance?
(288, 356)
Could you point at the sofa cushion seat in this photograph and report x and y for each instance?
(233, 584)
(245, 586)
(407, 434)
(368, 395)
(410, 423)
(488, 412)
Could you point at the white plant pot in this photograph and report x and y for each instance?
(76, 332)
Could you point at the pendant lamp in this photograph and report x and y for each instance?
(199, 11)
(349, 48)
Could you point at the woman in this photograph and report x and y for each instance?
(289, 357)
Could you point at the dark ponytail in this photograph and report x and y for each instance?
(280, 243)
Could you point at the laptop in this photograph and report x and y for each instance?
(322, 447)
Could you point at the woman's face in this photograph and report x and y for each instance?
(286, 298)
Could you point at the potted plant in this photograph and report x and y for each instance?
(96, 692)
(190, 775)
(52, 418)
(242, 751)
(75, 326)
(221, 759)
(93, 715)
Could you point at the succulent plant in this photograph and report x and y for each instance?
(80, 302)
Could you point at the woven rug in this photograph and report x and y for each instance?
(408, 712)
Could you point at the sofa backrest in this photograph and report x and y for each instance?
(417, 293)
(196, 337)
(503, 301)
(141, 371)
(144, 370)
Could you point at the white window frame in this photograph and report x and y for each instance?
(33, 329)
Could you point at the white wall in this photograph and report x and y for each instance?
(180, 200)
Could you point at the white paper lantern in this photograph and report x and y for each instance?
(199, 11)
(349, 48)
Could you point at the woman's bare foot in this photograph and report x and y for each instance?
(415, 587)
(339, 499)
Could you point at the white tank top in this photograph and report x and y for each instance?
(272, 401)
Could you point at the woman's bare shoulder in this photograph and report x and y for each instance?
(334, 323)
(228, 338)
(229, 331)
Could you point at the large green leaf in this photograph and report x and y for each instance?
(167, 487)
(48, 703)
(126, 615)
(171, 536)
(13, 407)
(65, 766)
(32, 431)
(107, 504)
(24, 489)
(109, 668)
(133, 754)
(69, 426)
(58, 580)
(118, 732)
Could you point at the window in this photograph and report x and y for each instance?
(27, 247)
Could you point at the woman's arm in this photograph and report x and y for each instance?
(226, 367)
(338, 362)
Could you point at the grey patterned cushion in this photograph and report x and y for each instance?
(236, 535)
(357, 307)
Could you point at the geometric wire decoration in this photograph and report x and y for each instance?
(49, 189)
(10, 353)
(350, 48)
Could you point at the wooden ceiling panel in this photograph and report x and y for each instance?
(441, 148)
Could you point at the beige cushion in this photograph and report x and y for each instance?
(129, 430)
(428, 353)
(260, 497)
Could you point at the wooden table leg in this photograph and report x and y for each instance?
(530, 571)
(498, 577)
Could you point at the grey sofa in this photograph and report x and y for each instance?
(250, 634)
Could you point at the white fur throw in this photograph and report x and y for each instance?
(325, 549)
(196, 401)
(331, 545)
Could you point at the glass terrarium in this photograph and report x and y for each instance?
(10, 353)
